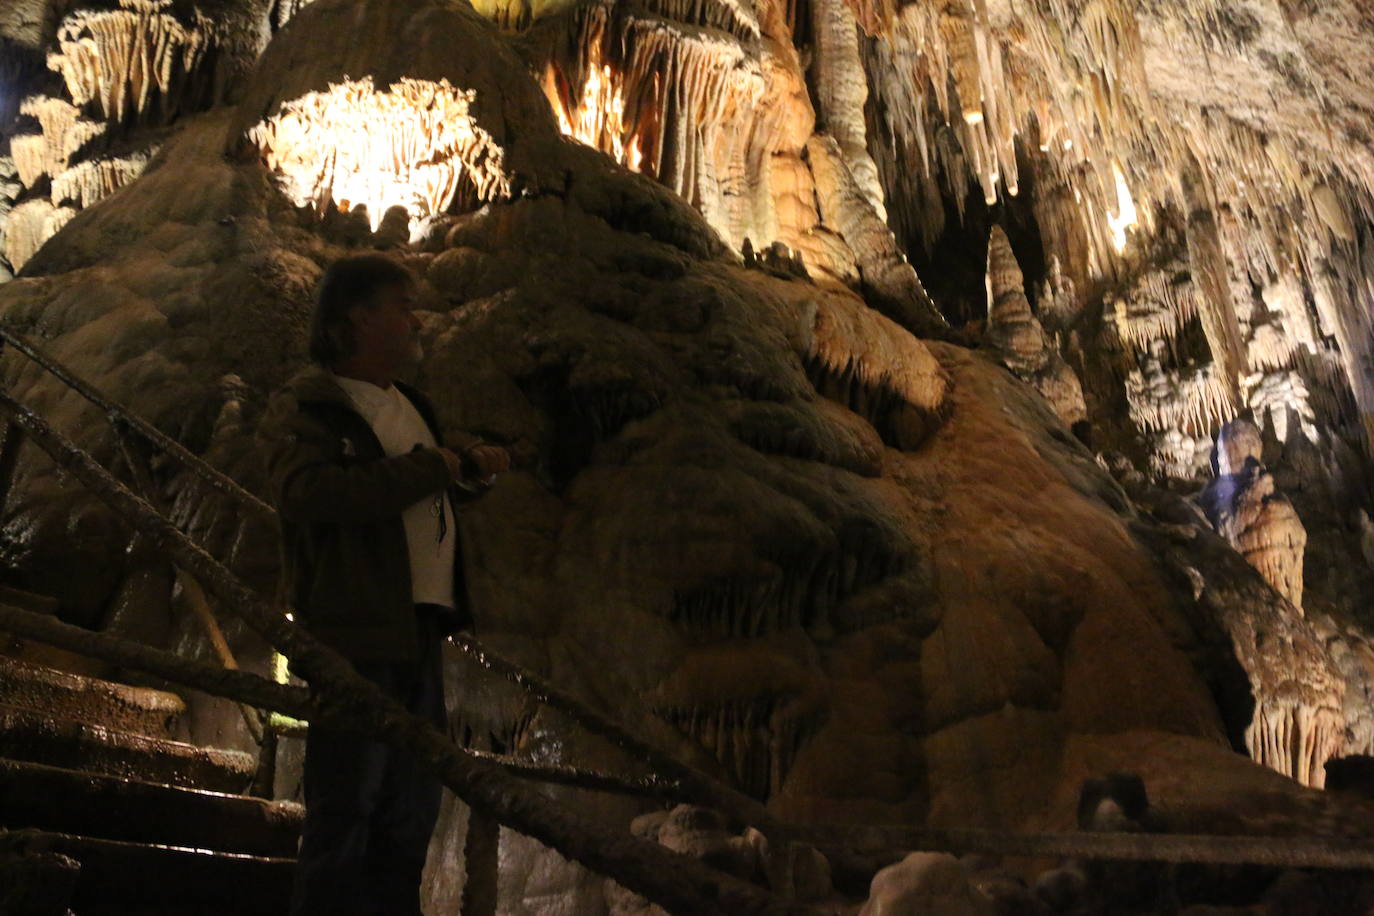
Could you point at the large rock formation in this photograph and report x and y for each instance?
(767, 508)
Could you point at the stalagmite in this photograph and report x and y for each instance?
(1018, 339)
(1269, 534)
(884, 269)
(1012, 329)
(696, 318)
(323, 149)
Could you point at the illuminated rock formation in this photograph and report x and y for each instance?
(324, 150)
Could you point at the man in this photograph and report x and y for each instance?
(365, 489)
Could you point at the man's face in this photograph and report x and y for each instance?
(388, 330)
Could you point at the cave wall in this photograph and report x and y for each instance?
(673, 255)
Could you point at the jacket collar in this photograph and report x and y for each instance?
(315, 384)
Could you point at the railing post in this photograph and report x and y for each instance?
(9, 451)
(140, 472)
(481, 851)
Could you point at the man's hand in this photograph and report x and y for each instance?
(489, 460)
(454, 462)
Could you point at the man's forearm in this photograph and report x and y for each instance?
(375, 490)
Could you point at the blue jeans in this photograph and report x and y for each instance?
(369, 807)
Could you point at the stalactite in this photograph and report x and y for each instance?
(1209, 266)
(119, 59)
(799, 592)
(683, 104)
(756, 738)
(283, 11)
(29, 226)
(735, 16)
(1195, 401)
(30, 153)
(10, 189)
(595, 114)
(93, 180)
(322, 148)
(62, 133)
(1332, 212)
(1155, 307)
(845, 337)
(862, 361)
(1295, 738)
(1282, 401)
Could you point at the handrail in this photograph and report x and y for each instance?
(250, 689)
(120, 416)
(1198, 849)
(1274, 851)
(701, 788)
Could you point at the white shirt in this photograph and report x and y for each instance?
(400, 428)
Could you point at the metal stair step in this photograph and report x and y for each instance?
(125, 878)
(34, 795)
(86, 699)
(36, 737)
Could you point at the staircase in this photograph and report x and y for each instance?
(101, 811)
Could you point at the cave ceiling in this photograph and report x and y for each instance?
(897, 383)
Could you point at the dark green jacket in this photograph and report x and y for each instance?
(346, 565)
